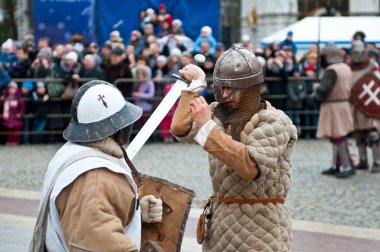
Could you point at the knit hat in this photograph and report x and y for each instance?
(44, 53)
(245, 38)
(150, 11)
(176, 52)
(73, 56)
(162, 6)
(7, 45)
(40, 84)
(28, 85)
(78, 47)
(12, 84)
(207, 30)
(178, 22)
(162, 59)
(115, 33)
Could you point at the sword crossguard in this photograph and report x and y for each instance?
(180, 78)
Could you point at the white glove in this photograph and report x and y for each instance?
(151, 209)
(197, 85)
(196, 74)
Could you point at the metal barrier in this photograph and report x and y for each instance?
(306, 125)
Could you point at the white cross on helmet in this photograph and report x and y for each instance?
(99, 110)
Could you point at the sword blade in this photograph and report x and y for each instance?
(155, 119)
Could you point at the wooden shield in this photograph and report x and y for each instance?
(176, 207)
(366, 95)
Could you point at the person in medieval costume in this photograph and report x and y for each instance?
(89, 195)
(367, 127)
(335, 116)
(249, 143)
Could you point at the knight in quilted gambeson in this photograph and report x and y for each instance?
(249, 144)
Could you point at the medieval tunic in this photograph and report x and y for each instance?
(361, 121)
(268, 139)
(94, 201)
(335, 116)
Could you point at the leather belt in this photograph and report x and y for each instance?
(247, 201)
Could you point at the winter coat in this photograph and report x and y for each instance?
(121, 70)
(143, 99)
(13, 109)
(210, 39)
(96, 73)
(4, 80)
(296, 91)
(8, 59)
(40, 108)
(20, 69)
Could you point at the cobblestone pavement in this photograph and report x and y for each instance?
(313, 197)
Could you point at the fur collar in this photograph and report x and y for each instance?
(108, 146)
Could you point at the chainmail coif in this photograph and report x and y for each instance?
(236, 118)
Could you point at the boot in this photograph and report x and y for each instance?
(362, 149)
(331, 171)
(375, 168)
(362, 165)
(345, 172)
(334, 169)
(376, 159)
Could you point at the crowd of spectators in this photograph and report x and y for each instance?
(156, 50)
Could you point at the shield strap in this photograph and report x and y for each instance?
(135, 174)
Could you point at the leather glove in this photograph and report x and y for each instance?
(151, 209)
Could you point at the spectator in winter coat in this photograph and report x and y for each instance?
(117, 69)
(22, 65)
(115, 40)
(13, 110)
(4, 78)
(7, 56)
(296, 92)
(91, 69)
(144, 91)
(159, 71)
(27, 88)
(42, 65)
(143, 95)
(206, 35)
(39, 101)
(288, 41)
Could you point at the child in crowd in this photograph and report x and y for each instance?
(39, 101)
(27, 88)
(13, 110)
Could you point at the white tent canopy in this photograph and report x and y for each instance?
(330, 29)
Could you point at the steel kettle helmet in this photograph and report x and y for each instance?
(99, 110)
(238, 68)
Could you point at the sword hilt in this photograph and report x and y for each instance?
(181, 79)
